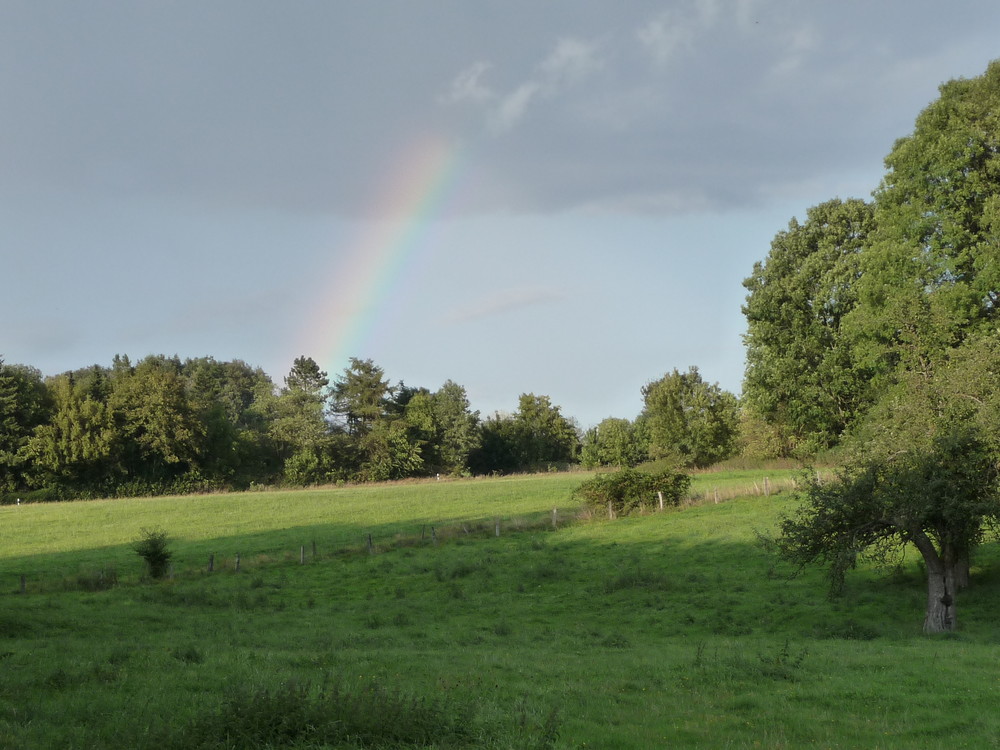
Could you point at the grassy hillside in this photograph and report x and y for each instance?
(668, 630)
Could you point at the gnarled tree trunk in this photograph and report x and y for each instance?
(941, 614)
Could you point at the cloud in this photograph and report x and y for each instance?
(505, 301)
(467, 86)
(677, 30)
(570, 62)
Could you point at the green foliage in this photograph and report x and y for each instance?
(297, 716)
(851, 302)
(456, 428)
(389, 453)
(360, 396)
(24, 404)
(628, 490)
(544, 434)
(689, 420)
(614, 442)
(802, 377)
(932, 272)
(936, 498)
(535, 437)
(152, 546)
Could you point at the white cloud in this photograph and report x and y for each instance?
(513, 106)
(677, 30)
(468, 85)
(569, 63)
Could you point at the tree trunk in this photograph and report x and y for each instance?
(941, 567)
(962, 572)
(941, 614)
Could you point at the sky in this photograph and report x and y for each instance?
(560, 198)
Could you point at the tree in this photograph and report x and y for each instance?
(162, 436)
(931, 275)
(306, 377)
(24, 404)
(544, 434)
(801, 374)
(455, 427)
(689, 420)
(389, 453)
(614, 442)
(936, 498)
(297, 425)
(499, 448)
(360, 396)
(78, 448)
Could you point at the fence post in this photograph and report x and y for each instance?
(24, 584)
(237, 562)
(555, 518)
(716, 495)
(434, 538)
(211, 562)
(659, 494)
(498, 528)
(767, 488)
(314, 549)
(611, 511)
(302, 555)
(371, 545)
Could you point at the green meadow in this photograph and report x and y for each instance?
(670, 629)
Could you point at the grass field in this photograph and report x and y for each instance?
(673, 629)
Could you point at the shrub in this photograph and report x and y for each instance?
(630, 489)
(152, 547)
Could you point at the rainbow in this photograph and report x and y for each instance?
(370, 272)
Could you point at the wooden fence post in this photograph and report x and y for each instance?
(659, 494)
(434, 538)
(237, 562)
(211, 562)
(24, 584)
(767, 488)
(371, 545)
(498, 528)
(611, 511)
(716, 495)
(555, 518)
(314, 549)
(302, 555)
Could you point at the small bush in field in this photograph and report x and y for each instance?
(629, 489)
(152, 547)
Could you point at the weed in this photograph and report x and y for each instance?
(848, 631)
(189, 655)
(100, 580)
(636, 578)
(371, 716)
(784, 664)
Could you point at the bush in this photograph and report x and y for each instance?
(629, 489)
(152, 548)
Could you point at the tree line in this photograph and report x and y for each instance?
(166, 425)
